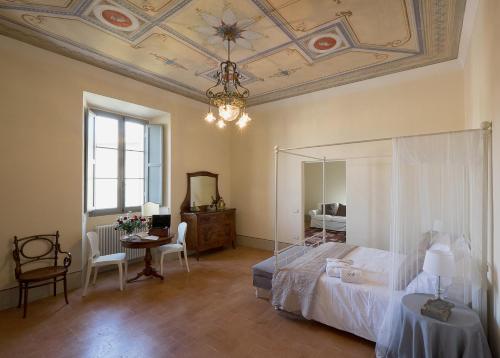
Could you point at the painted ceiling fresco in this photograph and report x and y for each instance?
(283, 47)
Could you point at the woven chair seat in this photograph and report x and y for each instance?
(43, 273)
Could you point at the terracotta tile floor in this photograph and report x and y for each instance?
(211, 312)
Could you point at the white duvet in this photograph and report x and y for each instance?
(358, 308)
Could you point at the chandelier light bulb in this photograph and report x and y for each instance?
(228, 112)
(245, 118)
(210, 117)
(241, 123)
(221, 124)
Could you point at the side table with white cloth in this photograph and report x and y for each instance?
(421, 336)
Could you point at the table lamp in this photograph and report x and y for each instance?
(440, 264)
(150, 209)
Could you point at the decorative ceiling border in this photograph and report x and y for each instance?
(340, 80)
(70, 9)
(425, 57)
(91, 57)
(436, 41)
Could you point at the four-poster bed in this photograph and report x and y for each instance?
(435, 177)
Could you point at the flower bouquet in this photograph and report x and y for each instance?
(129, 223)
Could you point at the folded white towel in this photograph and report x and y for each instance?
(339, 262)
(332, 271)
(339, 266)
(351, 275)
(334, 266)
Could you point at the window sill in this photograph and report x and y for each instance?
(104, 212)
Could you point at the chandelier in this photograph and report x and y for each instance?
(228, 95)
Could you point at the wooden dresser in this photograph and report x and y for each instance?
(207, 230)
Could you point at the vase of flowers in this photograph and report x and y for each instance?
(129, 223)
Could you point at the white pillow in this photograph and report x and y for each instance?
(461, 249)
(335, 207)
(454, 288)
(423, 283)
(464, 271)
(426, 283)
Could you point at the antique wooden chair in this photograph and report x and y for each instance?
(27, 253)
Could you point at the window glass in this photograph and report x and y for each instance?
(134, 192)
(134, 136)
(134, 165)
(106, 163)
(106, 132)
(106, 193)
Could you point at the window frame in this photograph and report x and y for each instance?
(122, 119)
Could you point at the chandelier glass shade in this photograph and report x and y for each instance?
(229, 112)
(228, 95)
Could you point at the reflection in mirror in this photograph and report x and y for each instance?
(335, 201)
(203, 190)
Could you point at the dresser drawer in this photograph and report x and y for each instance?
(212, 236)
(212, 219)
(208, 230)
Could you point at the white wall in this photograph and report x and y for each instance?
(290, 199)
(335, 191)
(418, 101)
(41, 144)
(482, 103)
(368, 202)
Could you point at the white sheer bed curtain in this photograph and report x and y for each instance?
(439, 201)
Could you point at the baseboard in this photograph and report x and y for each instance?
(9, 296)
(256, 243)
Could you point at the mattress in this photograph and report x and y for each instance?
(356, 308)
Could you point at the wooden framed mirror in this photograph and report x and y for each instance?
(201, 188)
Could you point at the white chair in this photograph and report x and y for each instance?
(179, 246)
(96, 260)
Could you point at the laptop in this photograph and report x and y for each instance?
(160, 221)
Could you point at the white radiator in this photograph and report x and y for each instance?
(109, 242)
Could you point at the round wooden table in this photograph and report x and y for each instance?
(138, 243)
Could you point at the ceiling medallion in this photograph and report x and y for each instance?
(324, 43)
(116, 18)
(228, 95)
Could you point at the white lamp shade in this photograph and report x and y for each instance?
(439, 263)
(150, 209)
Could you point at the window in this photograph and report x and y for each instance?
(123, 163)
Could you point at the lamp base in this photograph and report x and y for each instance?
(437, 309)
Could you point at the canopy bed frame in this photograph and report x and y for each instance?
(485, 126)
(372, 259)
